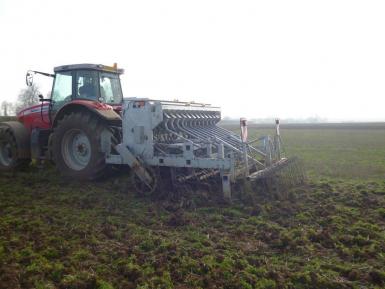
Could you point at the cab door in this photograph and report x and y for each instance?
(62, 90)
(87, 85)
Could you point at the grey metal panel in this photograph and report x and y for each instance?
(202, 163)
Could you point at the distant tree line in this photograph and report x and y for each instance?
(26, 98)
(271, 120)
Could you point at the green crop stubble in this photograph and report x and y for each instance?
(336, 153)
(329, 234)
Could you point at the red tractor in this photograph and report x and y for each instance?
(86, 103)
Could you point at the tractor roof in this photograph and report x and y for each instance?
(99, 67)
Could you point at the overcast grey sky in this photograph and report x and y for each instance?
(253, 58)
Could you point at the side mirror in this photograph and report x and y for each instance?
(42, 99)
(29, 78)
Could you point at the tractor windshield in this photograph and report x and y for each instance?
(110, 90)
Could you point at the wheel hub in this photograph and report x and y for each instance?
(76, 149)
(82, 149)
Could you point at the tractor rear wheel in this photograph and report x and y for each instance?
(9, 159)
(76, 146)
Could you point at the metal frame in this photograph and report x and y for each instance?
(182, 134)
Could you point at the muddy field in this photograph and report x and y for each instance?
(327, 234)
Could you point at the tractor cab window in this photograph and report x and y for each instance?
(87, 85)
(62, 90)
(110, 90)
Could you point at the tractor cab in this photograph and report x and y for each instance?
(93, 82)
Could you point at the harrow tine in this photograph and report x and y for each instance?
(281, 177)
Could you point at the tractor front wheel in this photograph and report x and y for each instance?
(76, 146)
(9, 152)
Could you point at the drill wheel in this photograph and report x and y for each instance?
(141, 188)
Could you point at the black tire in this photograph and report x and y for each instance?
(9, 155)
(71, 162)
